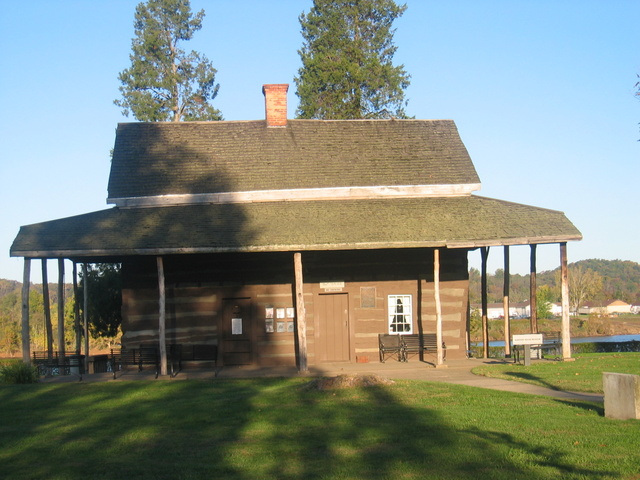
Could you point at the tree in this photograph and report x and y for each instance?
(544, 298)
(105, 298)
(347, 70)
(584, 285)
(164, 82)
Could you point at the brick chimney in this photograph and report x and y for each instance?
(275, 104)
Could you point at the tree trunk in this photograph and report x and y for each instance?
(505, 304)
(76, 310)
(436, 293)
(26, 340)
(86, 317)
(47, 310)
(162, 337)
(301, 315)
(533, 298)
(484, 251)
(61, 345)
(566, 318)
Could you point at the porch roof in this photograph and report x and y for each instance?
(451, 222)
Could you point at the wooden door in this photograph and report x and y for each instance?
(332, 329)
(237, 332)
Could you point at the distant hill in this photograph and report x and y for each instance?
(621, 281)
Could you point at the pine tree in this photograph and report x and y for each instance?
(347, 53)
(164, 82)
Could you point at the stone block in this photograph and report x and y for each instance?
(621, 395)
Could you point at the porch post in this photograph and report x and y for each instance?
(436, 290)
(566, 318)
(505, 305)
(26, 340)
(162, 317)
(61, 345)
(484, 251)
(47, 310)
(85, 316)
(76, 310)
(301, 315)
(533, 299)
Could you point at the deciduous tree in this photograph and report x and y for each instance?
(347, 61)
(584, 285)
(164, 82)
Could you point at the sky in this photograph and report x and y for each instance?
(542, 93)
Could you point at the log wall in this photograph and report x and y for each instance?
(199, 290)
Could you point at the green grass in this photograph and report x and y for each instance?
(582, 375)
(279, 429)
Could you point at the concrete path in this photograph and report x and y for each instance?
(455, 371)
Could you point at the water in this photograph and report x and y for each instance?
(611, 338)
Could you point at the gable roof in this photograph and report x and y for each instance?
(465, 221)
(200, 158)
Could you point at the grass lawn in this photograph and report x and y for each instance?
(282, 429)
(582, 375)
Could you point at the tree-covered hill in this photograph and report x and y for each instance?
(620, 281)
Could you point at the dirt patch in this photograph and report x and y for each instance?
(348, 381)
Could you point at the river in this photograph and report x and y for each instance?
(611, 338)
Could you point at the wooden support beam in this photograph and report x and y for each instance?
(162, 307)
(26, 339)
(436, 290)
(61, 345)
(76, 310)
(48, 328)
(301, 315)
(505, 304)
(85, 316)
(484, 252)
(533, 289)
(566, 318)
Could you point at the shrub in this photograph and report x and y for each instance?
(18, 372)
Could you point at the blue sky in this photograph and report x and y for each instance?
(542, 92)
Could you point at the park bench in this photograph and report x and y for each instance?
(54, 364)
(551, 343)
(178, 353)
(390, 345)
(416, 344)
(547, 343)
(139, 357)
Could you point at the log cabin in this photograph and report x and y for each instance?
(292, 242)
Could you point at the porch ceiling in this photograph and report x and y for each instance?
(453, 222)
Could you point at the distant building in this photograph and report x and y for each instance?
(608, 307)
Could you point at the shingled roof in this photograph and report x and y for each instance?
(465, 221)
(290, 185)
(196, 158)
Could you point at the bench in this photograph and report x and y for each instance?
(552, 343)
(549, 342)
(178, 353)
(417, 344)
(55, 365)
(390, 345)
(145, 355)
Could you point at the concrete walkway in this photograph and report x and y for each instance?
(455, 371)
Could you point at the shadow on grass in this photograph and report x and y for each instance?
(248, 429)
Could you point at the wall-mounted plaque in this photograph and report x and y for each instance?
(236, 326)
(368, 297)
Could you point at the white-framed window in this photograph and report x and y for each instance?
(400, 314)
